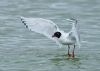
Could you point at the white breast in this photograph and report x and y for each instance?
(65, 39)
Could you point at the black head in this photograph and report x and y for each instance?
(57, 34)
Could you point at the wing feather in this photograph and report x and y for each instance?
(39, 25)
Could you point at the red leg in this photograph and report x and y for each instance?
(73, 55)
(69, 51)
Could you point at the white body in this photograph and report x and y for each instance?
(48, 28)
(66, 39)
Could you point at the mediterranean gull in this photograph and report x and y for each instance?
(52, 31)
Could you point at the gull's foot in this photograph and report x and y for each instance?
(73, 56)
(69, 55)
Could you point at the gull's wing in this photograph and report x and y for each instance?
(39, 25)
(75, 30)
(77, 36)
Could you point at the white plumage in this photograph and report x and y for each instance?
(51, 30)
(42, 26)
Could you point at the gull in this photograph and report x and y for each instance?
(49, 29)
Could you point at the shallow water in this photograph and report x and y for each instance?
(23, 50)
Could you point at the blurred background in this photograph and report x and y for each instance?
(23, 50)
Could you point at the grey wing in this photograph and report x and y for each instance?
(39, 25)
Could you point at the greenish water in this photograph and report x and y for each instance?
(23, 50)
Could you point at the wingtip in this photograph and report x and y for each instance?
(22, 18)
(23, 21)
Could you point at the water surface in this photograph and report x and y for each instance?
(23, 50)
